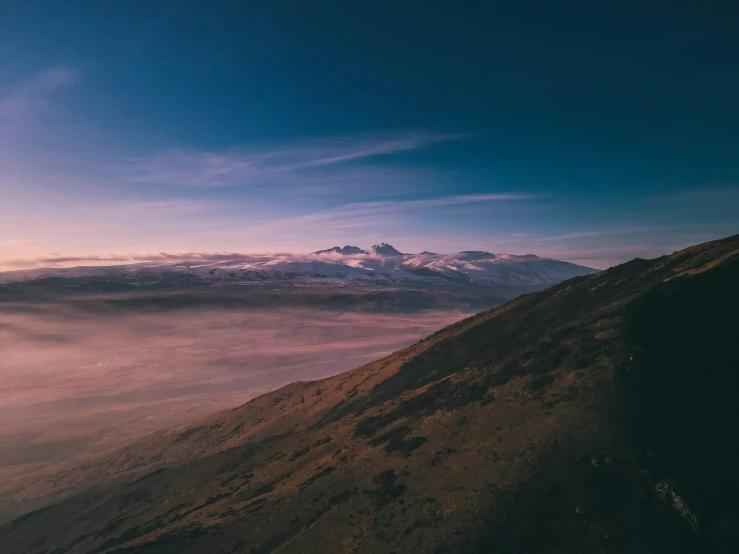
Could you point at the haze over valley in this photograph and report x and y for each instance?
(78, 383)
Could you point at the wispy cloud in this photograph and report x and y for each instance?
(18, 243)
(156, 258)
(54, 260)
(615, 233)
(248, 165)
(377, 215)
(582, 235)
(23, 100)
(464, 199)
(176, 205)
(51, 260)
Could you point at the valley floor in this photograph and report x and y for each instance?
(77, 383)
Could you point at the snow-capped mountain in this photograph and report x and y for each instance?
(383, 249)
(338, 250)
(381, 264)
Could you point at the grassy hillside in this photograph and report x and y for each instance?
(596, 416)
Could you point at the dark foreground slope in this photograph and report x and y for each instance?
(597, 416)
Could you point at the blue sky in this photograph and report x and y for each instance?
(583, 132)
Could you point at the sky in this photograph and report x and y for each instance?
(586, 131)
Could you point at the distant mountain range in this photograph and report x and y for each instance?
(378, 278)
(595, 417)
(381, 264)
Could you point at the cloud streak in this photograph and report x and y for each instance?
(47, 260)
(18, 243)
(22, 101)
(369, 217)
(256, 164)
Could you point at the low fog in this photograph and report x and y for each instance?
(78, 383)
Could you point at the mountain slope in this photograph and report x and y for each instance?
(595, 416)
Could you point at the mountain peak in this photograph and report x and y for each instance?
(383, 249)
(346, 250)
(477, 255)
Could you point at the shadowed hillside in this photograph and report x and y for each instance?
(597, 416)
